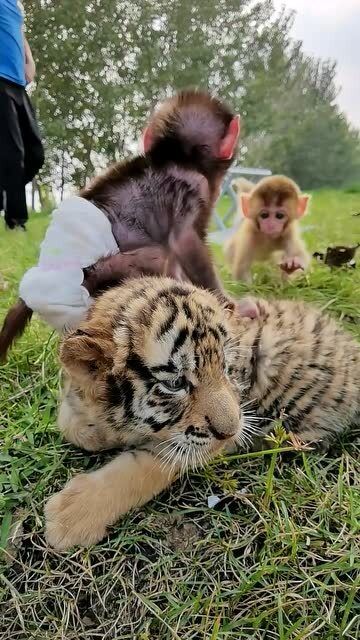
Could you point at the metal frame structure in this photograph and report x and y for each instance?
(235, 172)
(224, 223)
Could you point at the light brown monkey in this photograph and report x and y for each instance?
(271, 214)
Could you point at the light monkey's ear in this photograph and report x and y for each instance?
(228, 143)
(245, 204)
(86, 357)
(303, 203)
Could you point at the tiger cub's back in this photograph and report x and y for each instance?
(303, 367)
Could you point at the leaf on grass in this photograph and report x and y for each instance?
(14, 536)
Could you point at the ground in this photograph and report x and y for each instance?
(278, 559)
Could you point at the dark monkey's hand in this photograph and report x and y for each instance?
(115, 269)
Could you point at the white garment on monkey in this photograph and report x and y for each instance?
(78, 236)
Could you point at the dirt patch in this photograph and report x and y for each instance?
(180, 534)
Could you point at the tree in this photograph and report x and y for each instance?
(102, 64)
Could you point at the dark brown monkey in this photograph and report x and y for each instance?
(161, 200)
(165, 197)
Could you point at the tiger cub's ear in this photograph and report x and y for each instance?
(86, 357)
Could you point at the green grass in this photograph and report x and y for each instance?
(281, 561)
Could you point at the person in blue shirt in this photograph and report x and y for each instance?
(21, 149)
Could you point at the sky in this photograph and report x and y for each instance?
(331, 29)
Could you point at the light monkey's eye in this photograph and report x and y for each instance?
(178, 384)
(264, 214)
(280, 215)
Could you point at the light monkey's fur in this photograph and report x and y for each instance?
(249, 244)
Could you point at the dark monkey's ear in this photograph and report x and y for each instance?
(228, 142)
(147, 139)
(86, 357)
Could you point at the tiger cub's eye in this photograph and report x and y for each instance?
(175, 385)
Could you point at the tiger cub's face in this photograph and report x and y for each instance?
(153, 357)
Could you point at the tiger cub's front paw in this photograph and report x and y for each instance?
(74, 515)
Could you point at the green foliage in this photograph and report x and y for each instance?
(353, 188)
(300, 132)
(103, 65)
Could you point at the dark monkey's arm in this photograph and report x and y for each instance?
(115, 269)
(195, 259)
(194, 256)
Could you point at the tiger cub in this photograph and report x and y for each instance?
(162, 370)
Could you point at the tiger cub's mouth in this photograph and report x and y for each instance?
(195, 446)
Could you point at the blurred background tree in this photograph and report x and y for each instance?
(103, 64)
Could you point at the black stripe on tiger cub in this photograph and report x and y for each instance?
(180, 340)
(215, 333)
(164, 368)
(222, 330)
(291, 404)
(317, 386)
(209, 310)
(198, 334)
(343, 385)
(154, 424)
(118, 318)
(293, 383)
(120, 393)
(169, 322)
(255, 353)
(176, 290)
(145, 314)
(318, 326)
(187, 310)
(322, 368)
(317, 334)
(157, 425)
(138, 366)
(295, 416)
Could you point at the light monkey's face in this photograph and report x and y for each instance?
(272, 219)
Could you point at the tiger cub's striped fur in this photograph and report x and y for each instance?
(161, 369)
(296, 363)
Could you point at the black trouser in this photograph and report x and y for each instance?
(21, 150)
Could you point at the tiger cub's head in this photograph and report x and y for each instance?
(153, 356)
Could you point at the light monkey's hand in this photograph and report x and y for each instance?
(289, 265)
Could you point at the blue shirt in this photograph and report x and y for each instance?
(12, 53)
